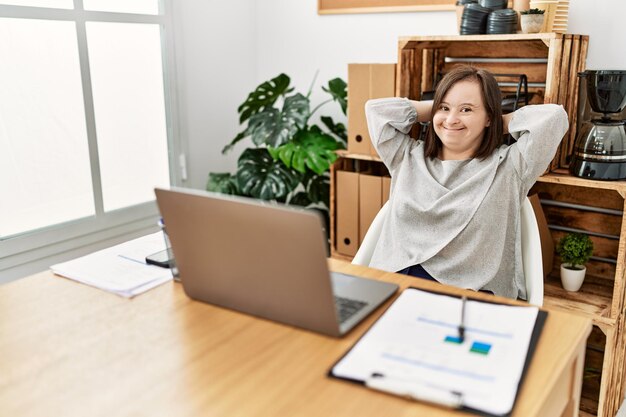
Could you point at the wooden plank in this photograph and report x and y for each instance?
(536, 72)
(619, 288)
(572, 105)
(416, 70)
(440, 61)
(564, 70)
(489, 49)
(608, 224)
(577, 192)
(510, 37)
(404, 72)
(566, 179)
(413, 43)
(553, 73)
(428, 70)
(612, 383)
(553, 70)
(563, 86)
(584, 46)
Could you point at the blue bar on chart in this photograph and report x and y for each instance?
(481, 348)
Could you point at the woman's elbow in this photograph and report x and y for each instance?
(557, 118)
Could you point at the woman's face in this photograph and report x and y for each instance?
(460, 121)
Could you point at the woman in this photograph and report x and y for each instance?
(455, 200)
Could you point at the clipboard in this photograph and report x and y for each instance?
(413, 351)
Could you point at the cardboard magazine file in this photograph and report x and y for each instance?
(370, 201)
(366, 81)
(347, 213)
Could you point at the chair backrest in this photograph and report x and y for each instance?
(366, 249)
(531, 249)
(531, 254)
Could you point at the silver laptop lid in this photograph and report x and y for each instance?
(260, 258)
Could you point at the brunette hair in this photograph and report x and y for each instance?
(492, 100)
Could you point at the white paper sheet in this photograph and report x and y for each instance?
(408, 343)
(120, 269)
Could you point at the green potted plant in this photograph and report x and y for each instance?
(575, 250)
(531, 20)
(290, 158)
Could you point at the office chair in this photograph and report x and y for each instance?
(531, 249)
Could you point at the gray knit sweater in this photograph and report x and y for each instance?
(460, 219)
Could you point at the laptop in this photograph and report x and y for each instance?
(264, 259)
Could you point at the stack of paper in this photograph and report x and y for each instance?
(120, 269)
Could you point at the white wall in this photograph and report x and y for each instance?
(289, 36)
(294, 39)
(216, 68)
(602, 20)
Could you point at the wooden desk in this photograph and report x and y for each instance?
(67, 349)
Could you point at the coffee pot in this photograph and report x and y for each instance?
(600, 146)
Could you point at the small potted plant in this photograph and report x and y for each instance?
(575, 250)
(531, 20)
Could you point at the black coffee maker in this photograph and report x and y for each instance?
(600, 148)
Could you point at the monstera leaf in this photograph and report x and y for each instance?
(318, 189)
(310, 148)
(264, 96)
(301, 198)
(291, 155)
(337, 88)
(273, 128)
(338, 129)
(224, 183)
(260, 176)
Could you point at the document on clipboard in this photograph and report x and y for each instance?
(415, 350)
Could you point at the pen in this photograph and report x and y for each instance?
(415, 390)
(462, 323)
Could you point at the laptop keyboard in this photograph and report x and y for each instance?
(347, 307)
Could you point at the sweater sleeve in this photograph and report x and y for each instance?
(538, 130)
(389, 121)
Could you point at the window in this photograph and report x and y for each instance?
(85, 123)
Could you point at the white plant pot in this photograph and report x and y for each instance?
(572, 279)
(531, 23)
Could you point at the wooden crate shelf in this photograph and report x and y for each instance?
(551, 62)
